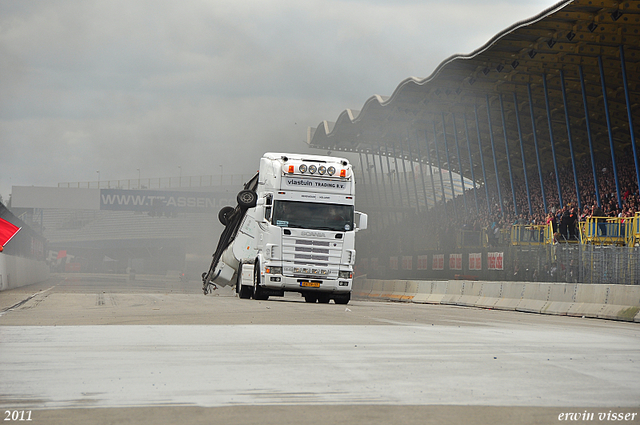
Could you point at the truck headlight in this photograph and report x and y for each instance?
(273, 270)
(345, 274)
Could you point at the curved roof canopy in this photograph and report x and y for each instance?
(520, 81)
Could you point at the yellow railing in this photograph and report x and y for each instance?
(595, 230)
(607, 231)
(528, 234)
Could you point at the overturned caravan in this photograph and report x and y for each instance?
(292, 230)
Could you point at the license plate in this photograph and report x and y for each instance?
(310, 284)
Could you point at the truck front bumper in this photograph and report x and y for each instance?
(305, 284)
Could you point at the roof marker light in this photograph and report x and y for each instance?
(292, 169)
(343, 173)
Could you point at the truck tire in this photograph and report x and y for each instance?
(310, 298)
(324, 298)
(244, 292)
(247, 199)
(258, 292)
(223, 215)
(342, 299)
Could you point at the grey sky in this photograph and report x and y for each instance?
(120, 85)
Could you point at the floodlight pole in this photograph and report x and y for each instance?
(573, 158)
(506, 148)
(473, 176)
(626, 95)
(484, 171)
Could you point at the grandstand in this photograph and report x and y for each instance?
(543, 119)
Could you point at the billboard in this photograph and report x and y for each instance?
(161, 201)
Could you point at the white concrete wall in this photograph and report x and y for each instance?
(18, 271)
(614, 301)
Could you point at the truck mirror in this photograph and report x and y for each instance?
(361, 221)
(259, 215)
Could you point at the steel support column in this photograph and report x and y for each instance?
(404, 171)
(473, 176)
(435, 142)
(553, 147)
(433, 185)
(393, 201)
(484, 171)
(446, 149)
(631, 131)
(397, 174)
(524, 162)
(495, 161)
(606, 112)
(424, 186)
(573, 158)
(588, 124)
(506, 149)
(413, 173)
(535, 143)
(455, 137)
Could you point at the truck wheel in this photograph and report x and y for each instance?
(244, 292)
(310, 298)
(247, 199)
(324, 298)
(224, 214)
(258, 292)
(342, 299)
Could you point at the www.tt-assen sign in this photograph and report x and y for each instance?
(316, 185)
(158, 200)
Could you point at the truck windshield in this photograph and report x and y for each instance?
(310, 215)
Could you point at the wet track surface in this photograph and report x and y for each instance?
(102, 348)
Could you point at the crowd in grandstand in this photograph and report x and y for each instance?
(565, 217)
(417, 232)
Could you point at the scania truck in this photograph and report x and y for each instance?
(292, 230)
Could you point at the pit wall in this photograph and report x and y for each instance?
(19, 271)
(616, 302)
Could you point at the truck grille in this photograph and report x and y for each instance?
(316, 252)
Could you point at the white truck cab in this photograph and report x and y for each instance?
(293, 230)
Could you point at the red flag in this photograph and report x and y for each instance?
(62, 254)
(7, 231)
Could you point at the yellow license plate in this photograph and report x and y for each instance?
(310, 284)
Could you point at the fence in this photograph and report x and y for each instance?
(573, 263)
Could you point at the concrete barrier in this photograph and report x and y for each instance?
(361, 287)
(471, 293)
(453, 293)
(490, 294)
(410, 291)
(399, 290)
(423, 292)
(534, 298)
(617, 302)
(387, 289)
(590, 300)
(438, 292)
(622, 303)
(512, 293)
(19, 271)
(376, 289)
(562, 296)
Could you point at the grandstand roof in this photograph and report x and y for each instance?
(558, 44)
